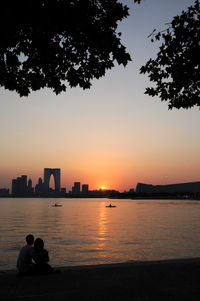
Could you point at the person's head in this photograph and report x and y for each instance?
(39, 244)
(30, 239)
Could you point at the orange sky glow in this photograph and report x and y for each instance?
(112, 135)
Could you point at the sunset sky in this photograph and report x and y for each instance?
(111, 135)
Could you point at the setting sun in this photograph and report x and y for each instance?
(102, 187)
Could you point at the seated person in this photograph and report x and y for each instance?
(24, 261)
(41, 258)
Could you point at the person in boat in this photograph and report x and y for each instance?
(41, 258)
(25, 265)
(57, 205)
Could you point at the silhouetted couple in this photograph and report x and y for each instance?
(33, 260)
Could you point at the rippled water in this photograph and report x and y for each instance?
(84, 231)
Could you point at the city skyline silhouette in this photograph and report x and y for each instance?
(23, 186)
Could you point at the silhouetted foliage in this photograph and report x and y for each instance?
(52, 43)
(176, 69)
(55, 43)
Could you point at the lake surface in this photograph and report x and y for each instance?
(85, 232)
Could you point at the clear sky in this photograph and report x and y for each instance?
(112, 134)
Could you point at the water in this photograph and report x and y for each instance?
(84, 231)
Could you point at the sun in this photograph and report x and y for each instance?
(102, 187)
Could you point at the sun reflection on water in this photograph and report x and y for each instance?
(102, 229)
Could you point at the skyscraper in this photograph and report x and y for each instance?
(56, 174)
(77, 187)
(85, 188)
(15, 188)
(30, 189)
(19, 186)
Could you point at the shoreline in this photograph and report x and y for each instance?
(130, 263)
(159, 197)
(172, 279)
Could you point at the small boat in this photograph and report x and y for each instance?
(111, 206)
(57, 205)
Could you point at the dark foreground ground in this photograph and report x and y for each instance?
(160, 280)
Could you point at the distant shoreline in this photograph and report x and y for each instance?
(105, 197)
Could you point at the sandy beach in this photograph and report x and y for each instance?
(149, 280)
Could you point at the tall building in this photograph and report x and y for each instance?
(23, 185)
(30, 189)
(77, 187)
(56, 174)
(85, 188)
(19, 186)
(29, 184)
(40, 182)
(15, 188)
(39, 186)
